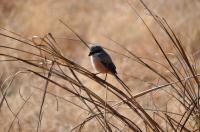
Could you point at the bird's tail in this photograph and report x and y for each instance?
(122, 83)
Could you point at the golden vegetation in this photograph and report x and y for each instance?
(48, 85)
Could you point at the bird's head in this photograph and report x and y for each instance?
(95, 49)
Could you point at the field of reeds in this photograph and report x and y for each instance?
(48, 84)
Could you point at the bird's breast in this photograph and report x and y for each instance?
(97, 65)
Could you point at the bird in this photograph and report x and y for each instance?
(102, 62)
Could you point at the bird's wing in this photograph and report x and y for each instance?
(107, 62)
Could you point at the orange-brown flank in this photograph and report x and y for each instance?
(98, 66)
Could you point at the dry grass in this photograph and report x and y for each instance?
(47, 83)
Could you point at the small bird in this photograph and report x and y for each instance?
(102, 62)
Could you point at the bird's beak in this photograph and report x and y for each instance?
(90, 54)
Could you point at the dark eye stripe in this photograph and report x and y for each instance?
(97, 51)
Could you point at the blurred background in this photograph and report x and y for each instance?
(92, 20)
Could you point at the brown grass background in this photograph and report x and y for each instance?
(92, 19)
